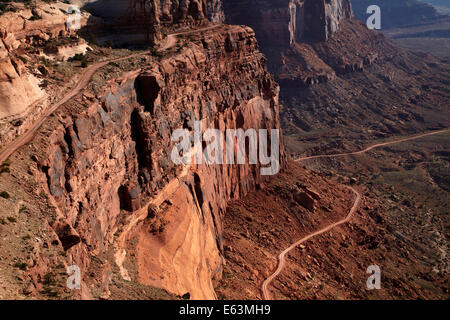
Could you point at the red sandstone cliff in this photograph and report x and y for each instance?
(112, 161)
(106, 164)
(22, 35)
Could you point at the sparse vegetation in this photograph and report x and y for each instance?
(154, 52)
(43, 70)
(78, 57)
(12, 219)
(23, 209)
(20, 265)
(5, 195)
(6, 7)
(5, 169)
(44, 84)
(82, 58)
(5, 166)
(23, 59)
(35, 16)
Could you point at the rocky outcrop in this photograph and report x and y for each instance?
(22, 31)
(284, 22)
(298, 25)
(140, 20)
(18, 88)
(110, 171)
(18, 30)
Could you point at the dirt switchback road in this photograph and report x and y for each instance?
(281, 258)
(82, 83)
(171, 41)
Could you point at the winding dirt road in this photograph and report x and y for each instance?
(281, 258)
(82, 83)
(6, 152)
(378, 145)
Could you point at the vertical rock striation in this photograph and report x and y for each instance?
(110, 170)
(284, 22)
(287, 30)
(149, 18)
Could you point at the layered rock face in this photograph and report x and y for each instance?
(354, 76)
(287, 29)
(215, 11)
(284, 22)
(20, 89)
(111, 173)
(149, 18)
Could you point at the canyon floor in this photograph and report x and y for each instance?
(401, 226)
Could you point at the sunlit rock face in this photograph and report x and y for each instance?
(21, 89)
(286, 31)
(145, 20)
(284, 22)
(111, 173)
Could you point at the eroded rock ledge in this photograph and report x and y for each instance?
(110, 173)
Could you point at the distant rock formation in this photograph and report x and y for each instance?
(284, 22)
(397, 13)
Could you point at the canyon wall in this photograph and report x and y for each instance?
(22, 93)
(18, 88)
(281, 23)
(110, 173)
(349, 79)
(146, 20)
(286, 29)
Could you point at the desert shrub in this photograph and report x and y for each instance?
(79, 57)
(43, 70)
(5, 169)
(5, 7)
(154, 52)
(24, 60)
(82, 58)
(20, 265)
(35, 16)
(44, 84)
(5, 195)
